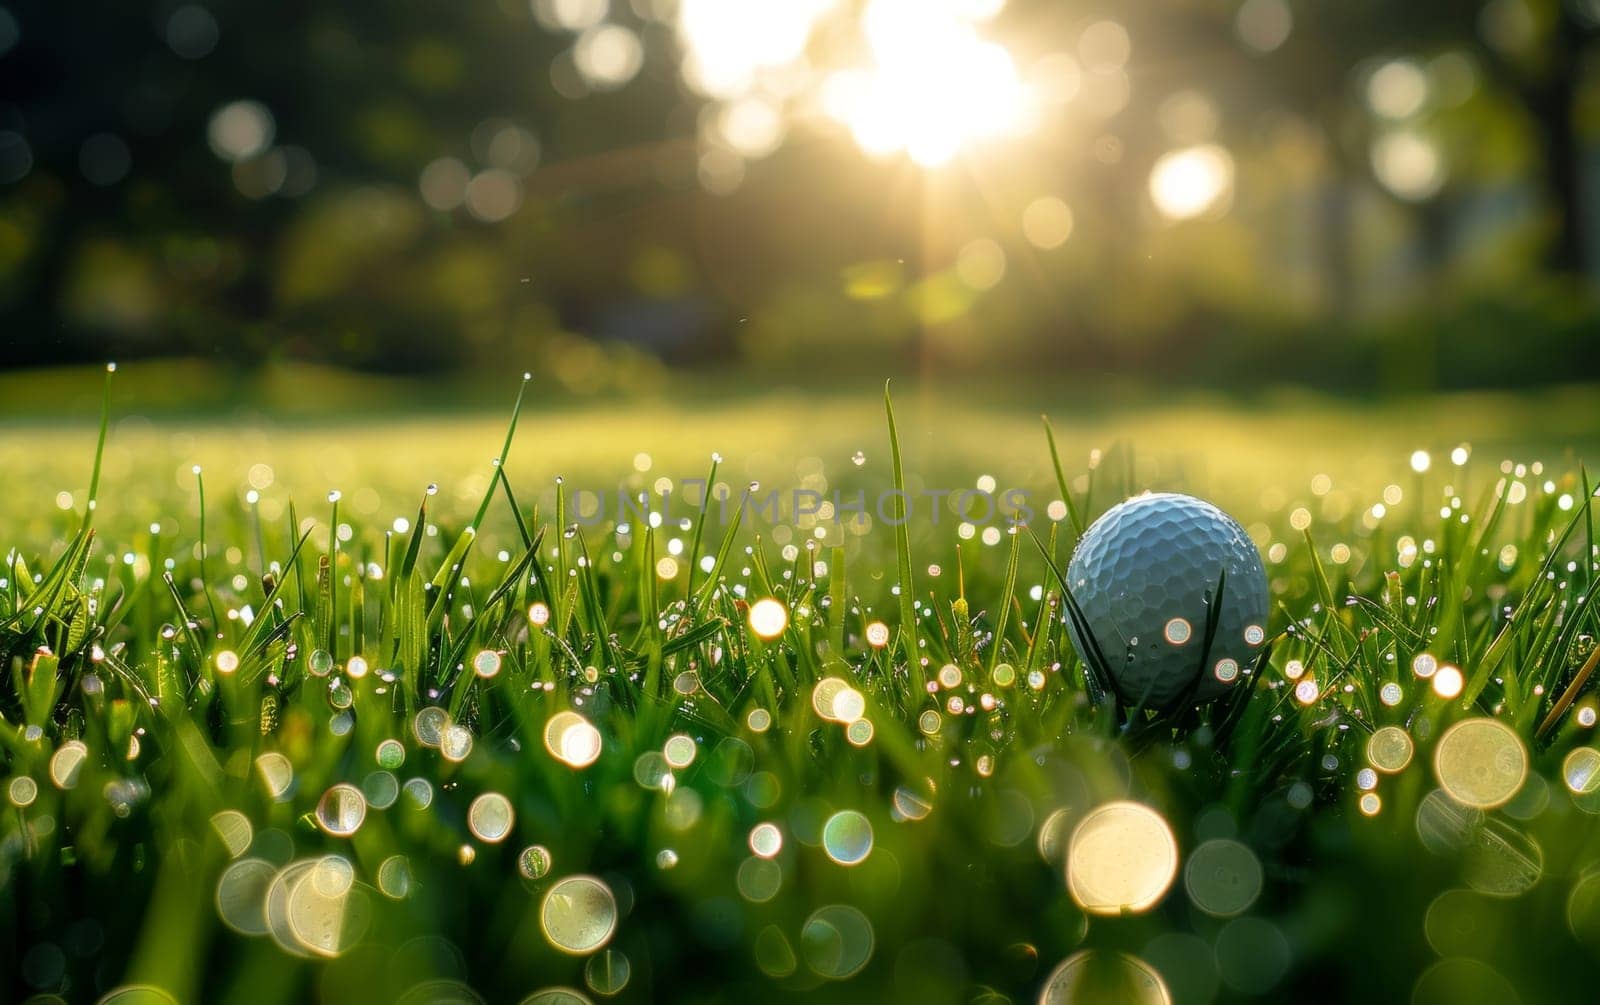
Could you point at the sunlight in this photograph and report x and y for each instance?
(1408, 164)
(906, 76)
(934, 85)
(728, 44)
(1188, 183)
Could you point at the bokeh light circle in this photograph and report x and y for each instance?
(1480, 762)
(1097, 975)
(490, 817)
(578, 915)
(1122, 858)
(847, 837)
(1389, 749)
(837, 941)
(1223, 877)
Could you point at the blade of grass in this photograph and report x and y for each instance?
(902, 547)
(1061, 478)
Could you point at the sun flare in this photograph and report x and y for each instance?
(934, 84)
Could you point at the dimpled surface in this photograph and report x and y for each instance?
(1156, 558)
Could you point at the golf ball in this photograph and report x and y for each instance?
(1145, 578)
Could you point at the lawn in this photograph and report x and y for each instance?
(283, 723)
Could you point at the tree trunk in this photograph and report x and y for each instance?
(1552, 102)
(1336, 247)
(1336, 207)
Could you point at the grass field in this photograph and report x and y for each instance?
(274, 733)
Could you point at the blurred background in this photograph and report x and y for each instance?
(1352, 196)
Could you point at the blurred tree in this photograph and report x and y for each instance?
(1533, 50)
(448, 186)
(1539, 50)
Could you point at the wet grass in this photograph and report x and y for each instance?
(242, 639)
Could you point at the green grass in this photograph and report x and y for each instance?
(123, 627)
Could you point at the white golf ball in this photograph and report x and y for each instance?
(1145, 577)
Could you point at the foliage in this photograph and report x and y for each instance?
(221, 669)
(127, 231)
